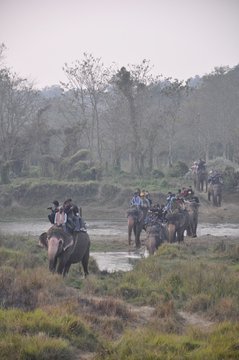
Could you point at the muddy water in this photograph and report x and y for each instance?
(111, 261)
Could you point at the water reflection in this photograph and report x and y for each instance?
(117, 261)
(111, 261)
(218, 229)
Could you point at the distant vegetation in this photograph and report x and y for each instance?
(107, 121)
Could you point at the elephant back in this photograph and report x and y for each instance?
(192, 206)
(81, 246)
(134, 212)
(179, 217)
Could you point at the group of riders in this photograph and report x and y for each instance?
(215, 177)
(66, 216)
(142, 201)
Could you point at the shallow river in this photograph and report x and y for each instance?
(111, 261)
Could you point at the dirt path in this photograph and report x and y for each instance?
(195, 320)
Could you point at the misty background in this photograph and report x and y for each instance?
(164, 87)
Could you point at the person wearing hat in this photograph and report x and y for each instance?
(145, 201)
(54, 209)
(136, 200)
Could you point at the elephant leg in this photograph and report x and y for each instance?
(190, 228)
(215, 200)
(85, 261)
(180, 235)
(66, 269)
(130, 229)
(137, 241)
(195, 229)
(220, 200)
(195, 183)
(137, 236)
(61, 266)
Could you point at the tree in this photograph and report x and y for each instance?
(17, 110)
(173, 94)
(134, 84)
(87, 80)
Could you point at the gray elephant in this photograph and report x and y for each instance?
(200, 178)
(192, 208)
(64, 249)
(177, 223)
(136, 219)
(156, 234)
(215, 191)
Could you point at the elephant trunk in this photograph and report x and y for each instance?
(131, 222)
(55, 246)
(171, 232)
(151, 244)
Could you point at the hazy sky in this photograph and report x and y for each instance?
(181, 38)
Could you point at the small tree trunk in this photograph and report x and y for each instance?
(5, 169)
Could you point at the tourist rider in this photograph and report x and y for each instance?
(136, 200)
(201, 165)
(145, 200)
(77, 219)
(215, 177)
(148, 197)
(54, 209)
(61, 218)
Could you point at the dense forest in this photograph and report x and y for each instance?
(103, 119)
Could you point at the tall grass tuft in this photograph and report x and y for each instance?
(30, 288)
(150, 344)
(37, 347)
(66, 329)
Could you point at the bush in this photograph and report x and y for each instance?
(43, 335)
(164, 184)
(229, 178)
(178, 169)
(156, 173)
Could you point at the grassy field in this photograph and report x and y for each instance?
(146, 313)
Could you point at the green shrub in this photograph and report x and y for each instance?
(164, 184)
(151, 344)
(37, 347)
(229, 178)
(178, 169)
(157, 174)
(41, 335)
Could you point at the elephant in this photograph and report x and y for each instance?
(200, 179)
(177, 223)
(156, 234)
(64, 249)
(215, 190)
(192, 209)
(136, 218)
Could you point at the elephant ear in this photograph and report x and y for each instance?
(43, 240)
